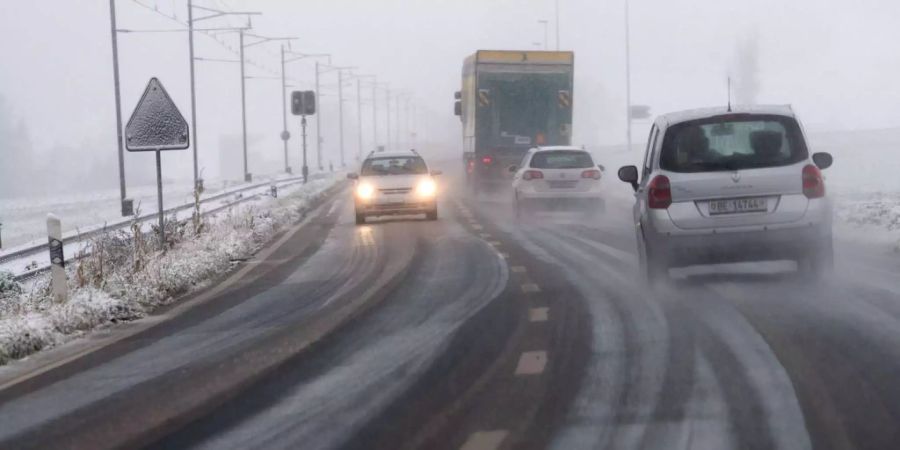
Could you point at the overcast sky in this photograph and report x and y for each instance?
(835, 61)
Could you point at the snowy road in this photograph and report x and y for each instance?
(478, 332)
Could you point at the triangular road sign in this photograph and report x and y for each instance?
(156, 123)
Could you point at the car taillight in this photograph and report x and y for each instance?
(659, 193)
(813, 184)
(470, 166)
(533, 175)
(487, 160)
(593, 173)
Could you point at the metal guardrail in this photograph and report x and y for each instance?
(41, 248)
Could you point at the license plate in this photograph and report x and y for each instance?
(738, 205)
(562, 184)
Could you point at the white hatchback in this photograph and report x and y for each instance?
(731, 185)
(557, 175)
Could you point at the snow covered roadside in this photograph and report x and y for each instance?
(872, 219)
(126, 278)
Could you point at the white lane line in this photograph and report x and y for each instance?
(517, 269)
(532, 363)
(484, 235)
(485, 440)
(529, 288)
(504, 255)
(494, 243)
(538, 314)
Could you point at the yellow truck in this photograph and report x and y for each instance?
(511, 101)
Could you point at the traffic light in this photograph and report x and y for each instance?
(303, 103)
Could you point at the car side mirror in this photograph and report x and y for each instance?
(512, 169)
(435, 173)
(352, 176)
(823, 160)
(629, 174)
(601, 167)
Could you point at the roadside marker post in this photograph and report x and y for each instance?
(157, 125)
(58, 282)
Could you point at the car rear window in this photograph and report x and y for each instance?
(562, 159)
(733, 142)
(403, 165)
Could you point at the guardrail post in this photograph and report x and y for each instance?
(57, 259)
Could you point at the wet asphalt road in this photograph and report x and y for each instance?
(477, 331)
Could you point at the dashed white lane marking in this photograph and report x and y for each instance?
(504, 255)
(530, 287)
(494, 243)
(517, 269)
(485, 440)
(538, 314)
(532, 363)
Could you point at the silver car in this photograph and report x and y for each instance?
(728, 185)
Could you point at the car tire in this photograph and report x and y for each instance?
(360, 219)
(818, 261)
(653, 268)
(432, 215)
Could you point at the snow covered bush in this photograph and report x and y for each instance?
(124, 275)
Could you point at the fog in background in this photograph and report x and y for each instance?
(835, 61)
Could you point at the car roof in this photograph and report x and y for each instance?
(393, 154)
(707, 113)
(557, 147)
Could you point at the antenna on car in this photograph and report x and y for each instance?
(729, 93)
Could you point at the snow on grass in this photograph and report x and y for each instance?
(125, 277)
(873, 218)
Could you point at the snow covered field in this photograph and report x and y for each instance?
(131, 280)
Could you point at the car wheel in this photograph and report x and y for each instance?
(360, 219)
(653, 268)
(818, 261)
(431, 215)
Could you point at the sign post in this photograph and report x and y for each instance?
(157, 125)
(303, 103)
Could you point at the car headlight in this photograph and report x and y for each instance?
(365, 191)
(426, 188)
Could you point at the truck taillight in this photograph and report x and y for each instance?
(813, 184)
(532, 175)
(659, 193)
(592, 173)
(487, 160)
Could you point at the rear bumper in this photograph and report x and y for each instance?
(715, 247)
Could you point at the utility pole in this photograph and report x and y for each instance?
(359, 117)
(341, 113)
(318, 123)
(557, 25)
(374, 112)
(627, 76)
(190, 7)
(397, 128)
(127, 208)
(545, 23)
(247, 176)
(285, 134)
(388, 117)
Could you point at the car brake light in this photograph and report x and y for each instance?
(659, 193)
(487, 160)
(592, 173)
(532, 175)
(813, 184)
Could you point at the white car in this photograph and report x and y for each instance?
(394, 183)
(731, 185)
(559, 174)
